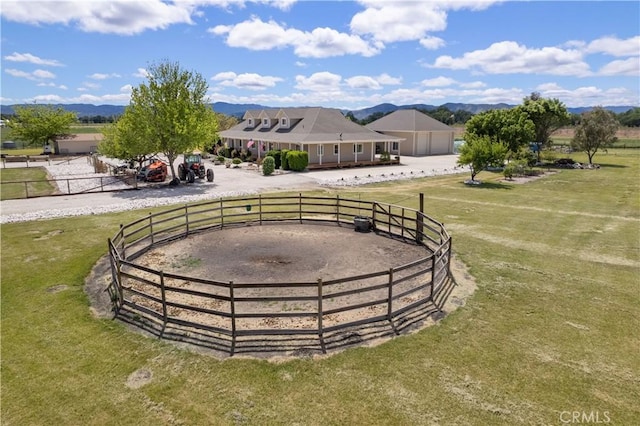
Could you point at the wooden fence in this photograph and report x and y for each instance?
(217, 313)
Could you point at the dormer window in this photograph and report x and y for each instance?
(265, 122)
(284, 122)
(251, 122)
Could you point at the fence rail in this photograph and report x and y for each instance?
(223, 311)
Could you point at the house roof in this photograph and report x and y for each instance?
(312, 125)
(408, 120)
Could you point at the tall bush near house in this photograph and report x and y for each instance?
(284, 160)
(276, 154)
(268, 165)
(298, 160)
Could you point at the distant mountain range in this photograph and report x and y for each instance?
(83, 110)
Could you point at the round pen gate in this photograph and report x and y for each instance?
(287, 316)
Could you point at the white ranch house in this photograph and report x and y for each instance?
(423, 135)
(328, 137)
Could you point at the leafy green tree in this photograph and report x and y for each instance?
(38, 125)
(171, 113)
(479, 152)
(630, 118)
(596, 130)
(509, 127)
(122, 140)
(548, 115)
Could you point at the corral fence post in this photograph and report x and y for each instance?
(186, 219)
(164, 304)
(221, 214)
(260, 208)
(123, 255)
(68, 186)
(26, 189)
(300, 207)
(420, 220)
(390, 295)
(320, 315)
(337, 209)
(151, 234)
(434, 256)
(233, 317)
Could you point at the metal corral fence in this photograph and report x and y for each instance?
(216, 314)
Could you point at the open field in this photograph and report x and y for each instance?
(551, 329)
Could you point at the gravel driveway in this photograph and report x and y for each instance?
(229, 182)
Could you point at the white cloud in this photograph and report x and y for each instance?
(509, 57)
(473, 85)
(398, 21)
(388, 80)
(141, 73)
(100, 76)
(363, 82)
(392, 21)
(250, 81)
(320, 81)
(222, 76)
(32, 59)
(432, 43)
(438, 82)
(629, 67)
(92, 86)
(117, 99)
(36, 75)
(615, 47)
(588, 95)
(256, 34)
(101, 16)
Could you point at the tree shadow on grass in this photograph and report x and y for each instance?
(488, 185)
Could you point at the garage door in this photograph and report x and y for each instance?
(422, 144)
(440, 143)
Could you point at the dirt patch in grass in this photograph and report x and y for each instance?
(288, 254)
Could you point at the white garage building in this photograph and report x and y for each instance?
(423, 135)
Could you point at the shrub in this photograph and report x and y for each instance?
(276, 154)
(236, 162)
(268, 165)
(283, 159)
(220, 158)
(298, 160)
(385, 156)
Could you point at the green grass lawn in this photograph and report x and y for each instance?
(552, 328)
(23, 181)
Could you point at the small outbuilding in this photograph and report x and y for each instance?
(423, 135)
(85, 143)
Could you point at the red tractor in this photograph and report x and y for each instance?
(193, 166)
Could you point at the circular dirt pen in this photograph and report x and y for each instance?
(279, 289)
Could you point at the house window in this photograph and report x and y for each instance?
(320, 150)
(251, 122)
(283, 122)
(336, 149)
(357, 148)
(394, 146)
(265, 122)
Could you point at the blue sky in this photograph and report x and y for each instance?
(343, 54)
